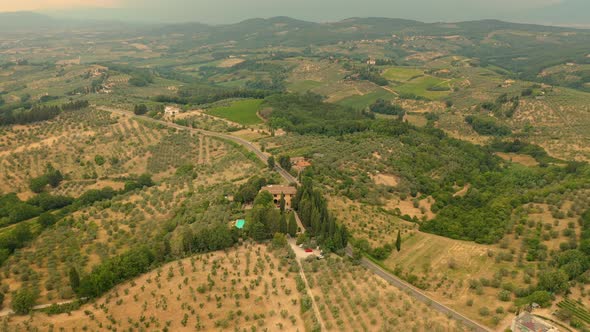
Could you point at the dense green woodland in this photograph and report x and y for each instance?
(25, 112)
(497, 187)
(48, 209)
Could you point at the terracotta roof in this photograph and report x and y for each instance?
(277, 190)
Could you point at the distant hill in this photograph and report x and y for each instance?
(286, 31)
(26, 21)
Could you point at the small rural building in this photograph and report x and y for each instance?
(300, 163)
(171, 110)
(527, 322)
(277, 190)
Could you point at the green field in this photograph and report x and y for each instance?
(241, 111)
(422, 86)
(303, 86)
(360, 102)
(402, 74)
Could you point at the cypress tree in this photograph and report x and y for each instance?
(398, 242)
(74, 279)
(337, 239)
(292, 225)
(283, 224)
(282, 203)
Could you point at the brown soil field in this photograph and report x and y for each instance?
(522, 159)
(245, 287)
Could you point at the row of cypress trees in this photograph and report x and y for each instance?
(313, 211)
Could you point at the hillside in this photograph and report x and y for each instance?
(450, 159)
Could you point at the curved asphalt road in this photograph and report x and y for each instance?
(392, 279)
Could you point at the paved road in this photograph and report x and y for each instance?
(246, 144)
(418, 295)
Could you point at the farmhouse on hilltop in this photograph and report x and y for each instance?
(276, 191)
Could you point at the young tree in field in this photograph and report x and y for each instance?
(54, 176)
(23, 301)
(140, 109)
(398, 241)
(38, 184)
(47, 219)
(285, 162)
(271, 163)
(292, 225)
(282, 203)
(279, 241)
(74, 278)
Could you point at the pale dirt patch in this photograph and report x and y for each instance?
(416, 120)
(25, 195)
(522, 159)
(407, 207)
(377, 155)
(425, 56)
(101, 184)
(228, 63)
(385, 179)
(250, 135)
(463, 191)
(68, 62)
(141, 47)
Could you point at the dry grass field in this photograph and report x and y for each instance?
(351, 298)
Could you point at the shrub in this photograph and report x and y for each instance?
(23, 301)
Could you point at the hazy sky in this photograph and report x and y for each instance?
(223, 11)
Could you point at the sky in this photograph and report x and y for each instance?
(229, 11)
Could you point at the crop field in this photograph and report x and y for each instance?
(402, 74)
(559, 121)
(361, 102)
(93, 234)
(303, 86)
(426, 86)
(61, 141)
(369, 222)
(242, 288)
(353, 299)
(243, 112)
(576, 310)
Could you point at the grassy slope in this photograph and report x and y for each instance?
(242, 111)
